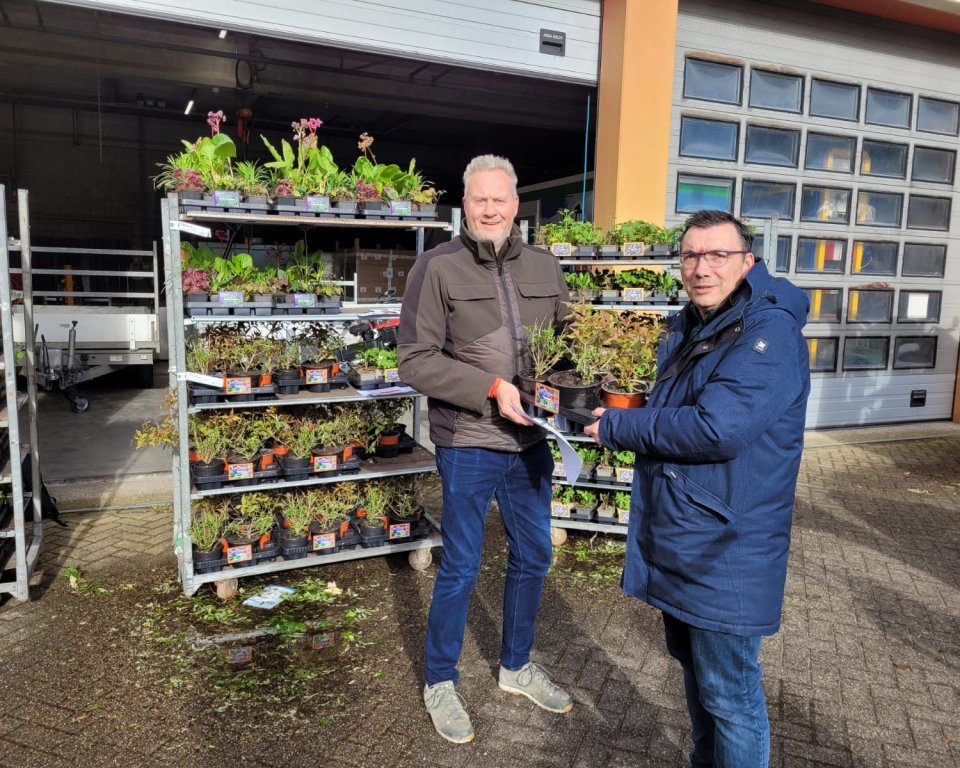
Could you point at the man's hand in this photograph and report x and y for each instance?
(508, 401)
(593, 430)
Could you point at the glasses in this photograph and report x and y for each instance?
(689, 259)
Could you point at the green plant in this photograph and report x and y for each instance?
(584, 497)
(638, 278)
(374, 498)
(668, 284)
(545, 347)
(251, 178)
(327, 506)
(623, 458)
(404, 497)
(232, 273)
(255, 515)
(565, 494)
(639, 231)
(569, 230)
(207, 524)
(580, 281)
(297, 513)
(632, 361)
(309, 272)
(589, 454)
(587, 332)
(621, 500)
(207, 438)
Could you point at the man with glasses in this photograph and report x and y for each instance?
(718, 450)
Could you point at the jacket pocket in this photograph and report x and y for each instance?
(538, 301)
(699, 496)
(473, 312)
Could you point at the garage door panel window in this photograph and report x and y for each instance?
(823, 353)
(777, 91)
(865, 353)
(874, 258)
(888, 108)
(772, 146)
(914, 352)
(837, 100)
(825, 204)
(936, 165)
(821, 256)
(712, 81)
(938, 116)
(695, 193)
(924, 259)
(928, 212)
(712, 139)
(879, 209)
(919, 307)
(782, 256)
(825, 304)
(869, 306)
(763, 199)
(830, 153)
(880, 158)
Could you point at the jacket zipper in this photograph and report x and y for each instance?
(513, 330)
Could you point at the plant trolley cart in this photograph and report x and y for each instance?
(21, 528)
(190, 495)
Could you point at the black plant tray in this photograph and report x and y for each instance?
(611, 481)
(215, 308)
(404, 445)
(321, 309)
(296, 210)
(348, 467)
(259, 555)
(260, 476)
(199, 396)
(583, 517)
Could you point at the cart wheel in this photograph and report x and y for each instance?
(420, 559)
(558, 536)
(80, 405)
(227, 588)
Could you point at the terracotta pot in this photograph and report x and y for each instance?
(613, 399)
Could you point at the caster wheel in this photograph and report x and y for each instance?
(420, 559)
(80, 405)
(227, 588)
(558, 536)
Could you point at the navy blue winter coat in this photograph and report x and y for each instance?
(718, 451)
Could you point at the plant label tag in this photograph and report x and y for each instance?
(634, 249)
(230, 298)
(304, 299)
(558, 471)
(240, 554)
(243, 655)
(561, 250)
(399, 530)
(226, 198)
(623, 516)
(548, 398)
(558, 509)
(324, 541)
(241, 386)
(625, 475)
(322, 640)
(240, 471)
(318, 203)
(324, 463)
(633, 294)
(401, 207)
(391, 374)
(199, 378)
(318, 375)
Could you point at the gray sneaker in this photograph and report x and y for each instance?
(532, 681)
(446, 710)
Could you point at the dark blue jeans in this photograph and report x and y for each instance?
(471, 478)
(721, 677)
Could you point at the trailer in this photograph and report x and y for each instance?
(95, 311)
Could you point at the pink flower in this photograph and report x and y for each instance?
(214, 119)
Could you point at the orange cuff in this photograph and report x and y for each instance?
(493, 387)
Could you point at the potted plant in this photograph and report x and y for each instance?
(621, 500)
(208, 445)
(386, 414)
(544, 347)
(331, 517)
(297, 516)
(603, 471)
(372, 512)
(584, 504)
(582, 284)
(299, 435)
(609, 291)
(632, 363)
(586, 333)
(250, 528)
(562, 503)
(207, 527)
(589, 455)
(636, 284)
(252, 180)
(623, 462)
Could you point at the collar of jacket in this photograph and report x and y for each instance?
(483, 250)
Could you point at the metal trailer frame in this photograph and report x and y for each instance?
(26, 530)
(173, 222)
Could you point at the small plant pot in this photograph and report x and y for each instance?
(345, 207)
(575, 394)
(292, 547)
(287, 381)
(528, 385)
(327, 458)
(614, 399)
(317, 376)
(213, 468)
(388, 442)
(240, 469)
(296, 466)
(207, 562)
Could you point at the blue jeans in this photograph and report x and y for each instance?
(721, 677)
(471, 478)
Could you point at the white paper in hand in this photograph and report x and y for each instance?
(572, 463)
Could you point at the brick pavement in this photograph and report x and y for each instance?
(863, 674)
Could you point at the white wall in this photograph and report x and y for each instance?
(501, 35)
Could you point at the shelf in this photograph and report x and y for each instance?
(5, 476)
(348, 395)
(418, 461)
(611, 487)
(316, 221)
(618, 262)
(582, 525)
(7, 529)
(4, 420)
(338, 318)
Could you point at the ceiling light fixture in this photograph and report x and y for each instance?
(189, 107)
(223, 34)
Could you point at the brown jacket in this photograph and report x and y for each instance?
(462, 326)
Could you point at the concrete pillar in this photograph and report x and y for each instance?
(637, 46)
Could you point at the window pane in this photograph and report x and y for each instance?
(762, 199)
(771, 146)
(888, 108)
(783, 251)
(772, 90)
(825, 204)
(938, 116)
(830, 153)
(825, 256)
(868, 306)
(872, 258)
(711, 81)
(915, 352)
(823, 354)
(923, 260)
(879, 209)
(824, 304)
(933, 164)
(708, 138)
(928, 212)
(840, 100)
(865, 353)
(882, 159)
(696, 193)
(919, 307)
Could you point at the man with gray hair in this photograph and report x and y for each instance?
(461, 343)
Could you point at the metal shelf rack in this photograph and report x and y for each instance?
(21, 527)
(419, 461)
